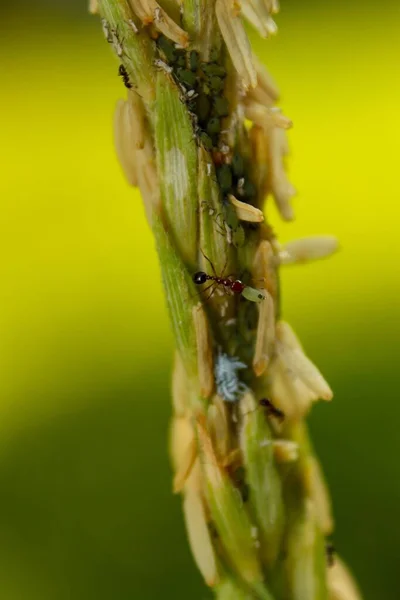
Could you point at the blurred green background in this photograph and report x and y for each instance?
(86, 510)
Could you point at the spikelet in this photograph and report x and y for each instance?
(341, 585)
(93, 7)
(306, 249)
(237, 42)
(149, 11)
(264, 116)
(201, 136)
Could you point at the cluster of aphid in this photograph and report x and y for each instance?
(202, 90)
(202, 86)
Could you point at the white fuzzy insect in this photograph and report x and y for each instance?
(229, 387)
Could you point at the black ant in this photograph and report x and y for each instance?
(271, 410)
(235, 285)
(330, 552)
(122, 72)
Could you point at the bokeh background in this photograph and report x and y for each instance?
(86, 510)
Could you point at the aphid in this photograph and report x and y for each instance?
(249, 189)
(213, 126)
(205, 140)
(181, 60)
(186, 77)
(133, 26)
(117, 43)
(168, 48)
(203, 107)
(271, 410)
(221, 107)
(122, 72)
(330, 552)
(238, 166)
(229, 387)
(216, 83)
(224, 177)
(211, 69)
(209, 169)
(227, 284)
(163, 66)
(106, 31)
(157, 14)
(193, 60)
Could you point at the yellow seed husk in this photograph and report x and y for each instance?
(93, 7)
(298, 365)
(125, 143)
(205, 362)
(285, 451)
(148, 180)
(219, 427)
(246, 212)
(341, 585)
(260, 152)
(292, 397)
(189, 456)
(265, 335)
(199, 537)
(306, 559)
(282, 189)
(237, 42)
(261, 96)
(316, 486)
(265, 116)
(265, 80)
(180, 388)
(137, 118)
(264, 268)
(180, 438)
(149, 11)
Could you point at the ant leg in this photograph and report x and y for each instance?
(212, 266)
(213, 286)
(225, 265)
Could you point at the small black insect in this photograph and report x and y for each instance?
(330, 551)
(271, 410)
(122, 72)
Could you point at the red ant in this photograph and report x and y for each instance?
(271, 410)
(235, 285)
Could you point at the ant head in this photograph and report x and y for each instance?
(199, 277)
(265, 402)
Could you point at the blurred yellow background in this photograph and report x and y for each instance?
(85, 504)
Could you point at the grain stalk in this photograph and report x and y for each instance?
(201, 136)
